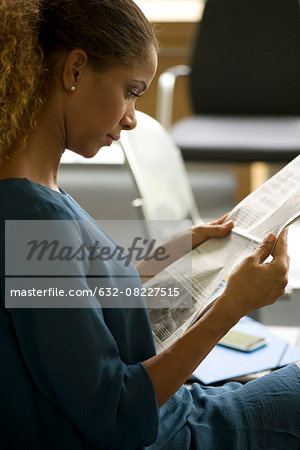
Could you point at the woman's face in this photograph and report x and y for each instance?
(103, 105)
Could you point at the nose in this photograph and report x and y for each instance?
(128, 121)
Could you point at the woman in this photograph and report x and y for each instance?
(88, 377)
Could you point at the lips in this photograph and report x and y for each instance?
(114, 138)
(110, 139)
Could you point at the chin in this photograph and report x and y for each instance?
(90, 155)
(86, 152)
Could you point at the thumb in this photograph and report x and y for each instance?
(265, 248)
(281, 244)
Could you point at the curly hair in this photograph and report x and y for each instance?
(21, 69)
(32, 31)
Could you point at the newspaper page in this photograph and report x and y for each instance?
(199, 284)
(271, 207)
(200, 276)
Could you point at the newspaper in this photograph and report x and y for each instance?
(201, 275)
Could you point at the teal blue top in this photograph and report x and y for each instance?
(72, 378)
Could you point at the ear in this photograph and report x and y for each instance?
(74, 68)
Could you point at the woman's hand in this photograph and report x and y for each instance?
(254, 283)
(218, 228)
(182, 243)
(251, 285)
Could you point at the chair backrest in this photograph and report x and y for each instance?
(246, 58)
(159, 172)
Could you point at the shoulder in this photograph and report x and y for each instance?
(23, 199)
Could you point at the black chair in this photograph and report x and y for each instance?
(244, 84)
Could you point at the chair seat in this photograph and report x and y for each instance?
(238, 139)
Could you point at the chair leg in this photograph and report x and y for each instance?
(249, 177)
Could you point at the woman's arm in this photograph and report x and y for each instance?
(180, 244)
(252, 284)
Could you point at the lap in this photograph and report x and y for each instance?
(264, 413)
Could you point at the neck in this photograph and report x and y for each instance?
(39, 160)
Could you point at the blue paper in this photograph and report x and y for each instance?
(223, 363)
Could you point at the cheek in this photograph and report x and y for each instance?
(113, 106)
(99, 113)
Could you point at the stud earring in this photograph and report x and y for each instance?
(72, 88)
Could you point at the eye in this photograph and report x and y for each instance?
(131, 93)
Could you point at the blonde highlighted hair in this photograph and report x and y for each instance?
(111, 32)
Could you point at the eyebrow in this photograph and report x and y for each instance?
(142, 82)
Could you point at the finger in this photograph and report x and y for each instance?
(220, 220)
(205, 230)
(265, 248)
(218, 230)
(280, 248)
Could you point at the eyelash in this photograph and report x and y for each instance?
(132, 94)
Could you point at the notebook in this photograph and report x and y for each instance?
(224, 363)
